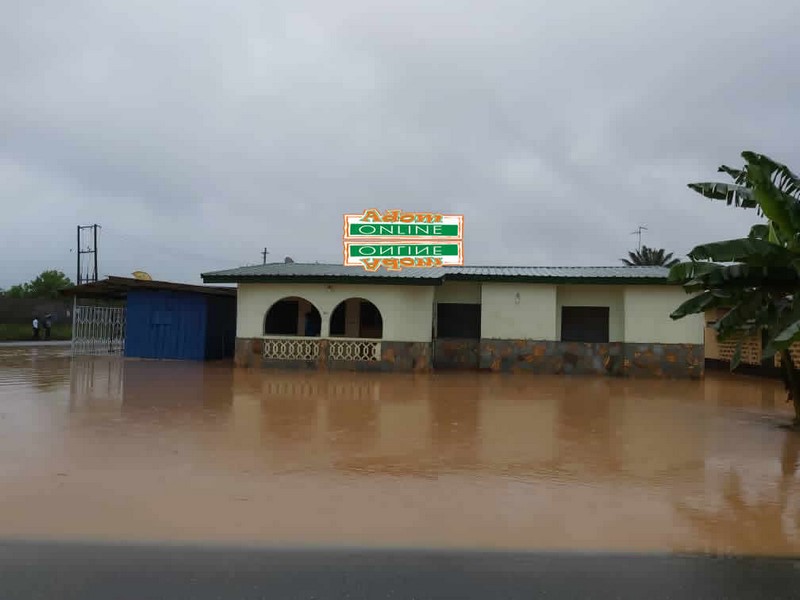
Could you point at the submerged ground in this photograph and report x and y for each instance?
(122, 450)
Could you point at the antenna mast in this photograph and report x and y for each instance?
(639, 233)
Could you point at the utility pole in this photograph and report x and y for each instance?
(87, 273)
(264, 255)
(639, 233)
(94, 252)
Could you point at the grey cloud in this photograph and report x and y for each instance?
(197, 133)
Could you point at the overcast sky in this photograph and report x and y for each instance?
(196, 132)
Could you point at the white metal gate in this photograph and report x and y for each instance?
(98, 330)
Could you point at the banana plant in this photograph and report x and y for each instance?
(756, 278)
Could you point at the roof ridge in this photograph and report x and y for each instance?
(319, 264)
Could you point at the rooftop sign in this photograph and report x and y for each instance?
(395, 240)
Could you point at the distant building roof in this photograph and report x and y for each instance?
(328, 273)
(118, 287)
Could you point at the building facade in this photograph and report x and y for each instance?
(600, 320)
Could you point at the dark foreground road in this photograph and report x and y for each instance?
(64, 571)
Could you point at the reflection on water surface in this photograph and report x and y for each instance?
(125, 449)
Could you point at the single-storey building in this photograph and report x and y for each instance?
(603, 320)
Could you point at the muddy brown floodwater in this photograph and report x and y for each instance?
(111, 449)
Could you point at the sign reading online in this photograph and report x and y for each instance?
(396, 240)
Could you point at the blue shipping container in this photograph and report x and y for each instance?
(179, 325)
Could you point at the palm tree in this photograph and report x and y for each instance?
(656, 257)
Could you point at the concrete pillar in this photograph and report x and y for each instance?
(352, 317)
(325, 329)
(302, 307)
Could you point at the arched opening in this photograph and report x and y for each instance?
(293, 316)
(356, 318)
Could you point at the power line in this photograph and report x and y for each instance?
(149, 244)
(152, 243)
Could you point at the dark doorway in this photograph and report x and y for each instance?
(458, 335)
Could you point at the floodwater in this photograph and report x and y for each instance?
(126, 450)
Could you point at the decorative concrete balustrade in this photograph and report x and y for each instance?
(290, 348)
(309, 349)
(332, 353)
(355, 349)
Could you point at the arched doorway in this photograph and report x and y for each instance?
(356, 318)
(293, 316)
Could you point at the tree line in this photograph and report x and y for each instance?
(46, 285)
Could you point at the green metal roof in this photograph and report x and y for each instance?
(329, 273)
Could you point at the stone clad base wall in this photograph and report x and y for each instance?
(395, 356)
(665, 360)
(552, 357)
(456, 354)
(616, 359)
(406, 356)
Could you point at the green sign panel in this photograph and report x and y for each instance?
(403, 229)
(398, 250)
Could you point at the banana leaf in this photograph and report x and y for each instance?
(736, 195)
(759, 232)
(742, 249)
(696, 304)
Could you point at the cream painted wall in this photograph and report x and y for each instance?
(595, 295)
(637, 313)
(647, 310)
(407, 310)
(458, 292)
(533, 317)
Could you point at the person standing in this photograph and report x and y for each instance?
(48, 323)
(36, 328)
